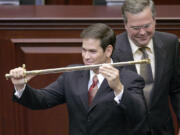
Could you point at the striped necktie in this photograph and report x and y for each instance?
(146, 73)
(92, 90)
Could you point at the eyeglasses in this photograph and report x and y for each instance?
(145, 26)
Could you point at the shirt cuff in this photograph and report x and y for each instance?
(18, 93)
(118, 97)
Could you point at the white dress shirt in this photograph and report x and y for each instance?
(18, 93)
(137, 55)
(100, 77)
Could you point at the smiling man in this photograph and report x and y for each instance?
(162, 76)
(104, 101)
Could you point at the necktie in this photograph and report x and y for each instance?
(146, 73)
(92, 90)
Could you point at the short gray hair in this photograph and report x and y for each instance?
(137, 6)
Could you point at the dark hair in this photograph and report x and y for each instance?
(102, 32)
(137, 6)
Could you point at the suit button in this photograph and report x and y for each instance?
(88, 119)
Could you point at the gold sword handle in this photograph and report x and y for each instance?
(24, 73)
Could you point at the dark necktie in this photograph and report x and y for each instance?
(92, 90)
(146, 73)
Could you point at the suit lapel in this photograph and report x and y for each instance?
(103, 92)
(160, 56)
(125, 52)
(83, 87)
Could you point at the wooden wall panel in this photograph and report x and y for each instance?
(43, 39)
(56, 2)
(80, 2)
(89, 2)
(42, 54)
(167, 2)
(69, 2)
(7, 109)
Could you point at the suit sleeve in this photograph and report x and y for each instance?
(133, 100)
(43, 98)
(175, 81)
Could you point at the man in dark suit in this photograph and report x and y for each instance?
(117, 107)
(163, 74)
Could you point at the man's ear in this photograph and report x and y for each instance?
(109, 50)
(125, 25)
(154, 21)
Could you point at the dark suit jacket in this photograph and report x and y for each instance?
(167, 79)
(105, 116)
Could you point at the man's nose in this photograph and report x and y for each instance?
(142, 31)
(87, 55)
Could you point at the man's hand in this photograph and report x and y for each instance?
(19, 79)
(112, 76)
(179, 132)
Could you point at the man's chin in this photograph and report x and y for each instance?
(142, 44)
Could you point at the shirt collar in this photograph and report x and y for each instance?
(99, 76)
(136, 48)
